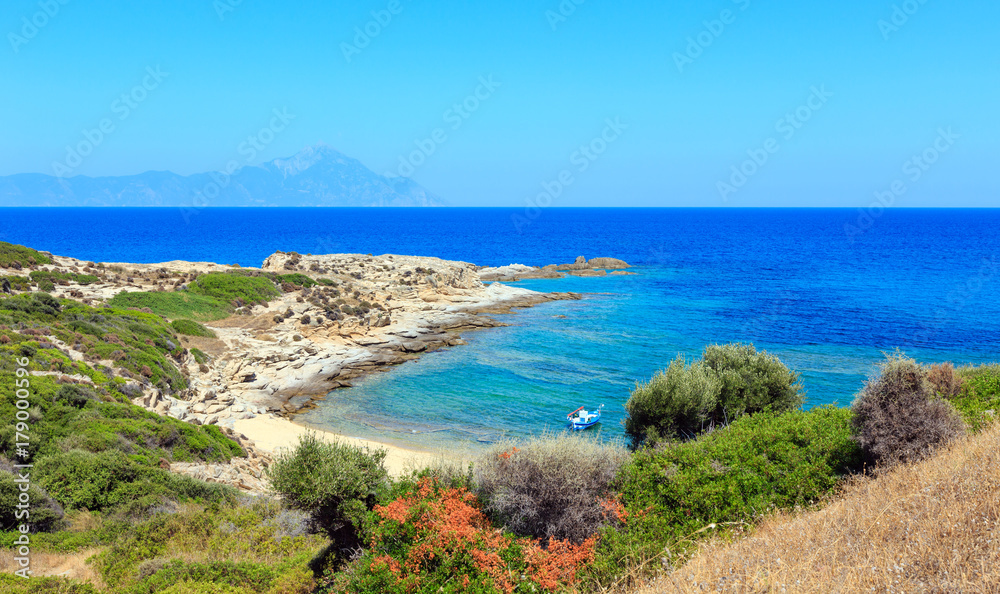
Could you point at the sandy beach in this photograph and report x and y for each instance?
(274, 434)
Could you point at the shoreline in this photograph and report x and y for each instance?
(276, 434)
(333, 318)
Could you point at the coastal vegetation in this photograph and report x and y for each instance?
(18, 256)
(721, 453)
(174, 305)
(191, 328)
(235, 289)
(728, 382)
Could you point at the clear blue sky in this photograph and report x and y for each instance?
(891, 90)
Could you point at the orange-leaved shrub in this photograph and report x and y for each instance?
(435, 538)
(899, 418)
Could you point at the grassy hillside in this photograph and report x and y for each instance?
(926, 527)
(18, 256)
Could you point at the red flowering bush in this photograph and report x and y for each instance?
(437, 539)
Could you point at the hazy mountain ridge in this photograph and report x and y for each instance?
(315, 176)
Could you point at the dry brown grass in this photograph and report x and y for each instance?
(70, 565)
(933, 526)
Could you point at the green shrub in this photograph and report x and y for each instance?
(728, 382)
(11, 584)
(979, 399)
(44, 512)
(41, 306)
(244, 544)
(234, 289)
(296, 279)
(23, 256)
(550, 486)
(675, 402)
(199, 356)
(751, 382)
(336, 482)
(897, 416)
(175, 305)
(17, 283)
(723, 480)
(80, 479)
(242, 577)
(191, 328)
(75, 395)
(52, 276)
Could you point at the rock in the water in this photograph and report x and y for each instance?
(579, 264)
(610, 263)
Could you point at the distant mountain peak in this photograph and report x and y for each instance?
(307, 157)
(317, 175)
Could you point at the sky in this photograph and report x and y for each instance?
(724, 103)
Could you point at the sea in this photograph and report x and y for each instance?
(828, 291)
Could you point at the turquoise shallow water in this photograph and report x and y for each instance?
(797, 282)
(522, 379)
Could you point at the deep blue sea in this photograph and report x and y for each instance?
(793, 281)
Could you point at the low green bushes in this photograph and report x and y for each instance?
(18, 256)
(724, 480)
(144, 344)
(240, 576)
(91, 449)
(191, 328)
(729, 381)
(52, 277)
(250, 545)
(45, 513)
(550, 486)
(111, 480)
(199, 356)
(978, 400)
(234, 289)
(297, 279)
(11, 584)
(899, 418)
(175, 305)
(17, 283)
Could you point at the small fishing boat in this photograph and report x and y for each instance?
(581, 419)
